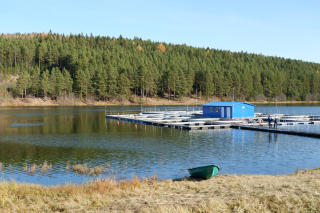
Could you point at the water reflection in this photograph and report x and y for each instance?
(81, 135)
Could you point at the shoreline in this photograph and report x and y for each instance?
(299, 191)
(150, 102)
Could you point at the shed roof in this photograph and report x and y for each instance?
(225, 104)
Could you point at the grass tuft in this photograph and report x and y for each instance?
(80, 169)
(45, 167)
(68, 166)
(97, 170)
(151, 178)
(33, 169)
(25, 168)
(83, 169)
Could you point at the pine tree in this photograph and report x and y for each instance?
(45, 84)
(182, 84)
(68, 82)
(60, 82)
(80, 82)
(172, 81)
(53, 82)
(87, 83)
(112, 80)
(35, 80)
(153, 69)
(124, 86)
(190, 80)
(23, 82)
(100, 82)
(143, 78)
(208, 83)
(42, 49)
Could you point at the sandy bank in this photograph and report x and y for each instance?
(149, 102)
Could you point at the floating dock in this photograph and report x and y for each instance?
(193, 120)
(176, 123)
(281, 131)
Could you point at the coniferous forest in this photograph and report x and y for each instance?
(103, 68)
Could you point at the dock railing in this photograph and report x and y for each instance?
(170, 109)
(154, 109)
(187, 108)
(123, 112)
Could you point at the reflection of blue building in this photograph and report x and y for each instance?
(228, 110)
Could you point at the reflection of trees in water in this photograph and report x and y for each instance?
(61, 124)
(19, 155)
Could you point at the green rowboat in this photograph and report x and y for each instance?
(204, 172)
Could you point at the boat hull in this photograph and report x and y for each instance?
(204, 172)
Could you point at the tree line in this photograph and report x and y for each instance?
(52, 65)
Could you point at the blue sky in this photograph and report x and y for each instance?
(283, 28)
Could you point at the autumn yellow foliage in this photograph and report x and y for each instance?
(139, 47)
(44, 34)
(161, 47)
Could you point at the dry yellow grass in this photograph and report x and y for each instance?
(80, 168)
(244, 193)
(33, 169)
(45, 167)
(97, 170)
(25, 168)
(68, 166)
(83, 169)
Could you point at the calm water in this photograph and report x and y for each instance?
(82, 135)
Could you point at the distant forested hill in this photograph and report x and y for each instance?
(105, 68)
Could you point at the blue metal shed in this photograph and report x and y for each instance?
(228, 109)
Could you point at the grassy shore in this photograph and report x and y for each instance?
(298, 192)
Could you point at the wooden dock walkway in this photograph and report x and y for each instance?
(174, 124)
(281, 131)
(178, 123)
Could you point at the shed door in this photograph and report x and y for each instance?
(228, 112)
(222, 112)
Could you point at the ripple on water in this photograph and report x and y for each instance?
(28, 124)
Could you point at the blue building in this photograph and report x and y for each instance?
(228, 110)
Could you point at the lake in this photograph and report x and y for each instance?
(65, 136)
